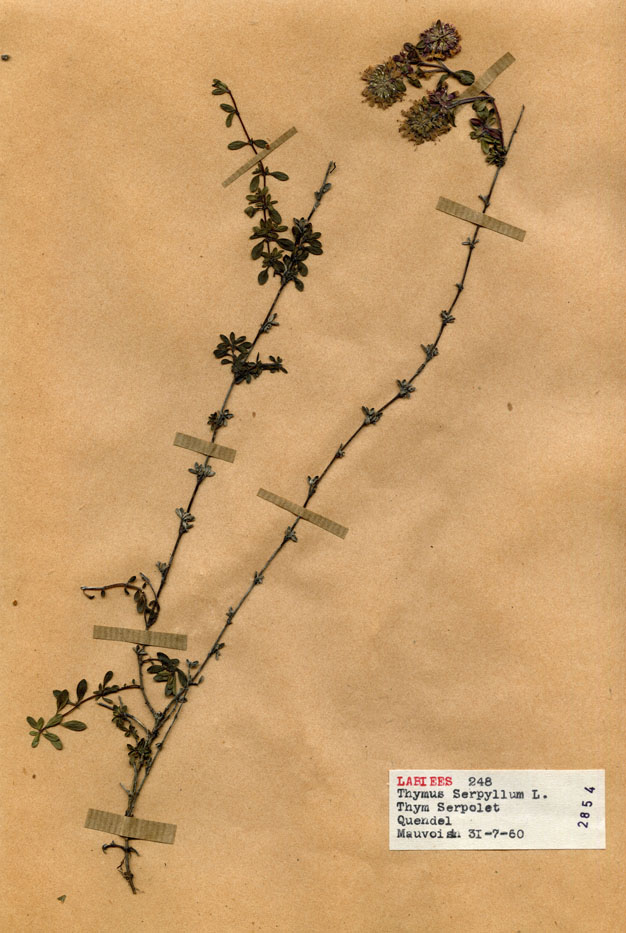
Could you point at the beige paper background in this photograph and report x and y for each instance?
(471, 616)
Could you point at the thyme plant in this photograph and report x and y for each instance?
(284, 255)
(286, 258)
(148, 739)
(435, 113)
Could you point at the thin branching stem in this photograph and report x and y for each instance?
(152, 748)
(174, 708)
(261, 330)
(251, 143)
(141, 660)
(153, 609)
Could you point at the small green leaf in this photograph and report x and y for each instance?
(229, 119)
(262, 277)
(32, 722)
(62, 898)
(54, 739)
(261, 143)
(74, 725)
(35, 741)
(62, 698)
(464, 77)
(81, 689)
(227, 108)
(257, 250)
(237, 144)
(54, 721)
(39, 723)
(107, 678)
(281, 176)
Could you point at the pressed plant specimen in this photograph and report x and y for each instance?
(285, 258)
(147, 741)
(283, 254)
(434, 114)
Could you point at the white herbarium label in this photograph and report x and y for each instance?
(496, 809)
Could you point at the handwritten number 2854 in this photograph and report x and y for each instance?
(585, 815)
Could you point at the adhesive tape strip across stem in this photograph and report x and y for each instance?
(490, 75)
(140, 636)
(306, 514)
(208, 448)
(130, 826)
(482, 220)
(258, 156)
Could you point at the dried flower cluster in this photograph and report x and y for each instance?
(441, 40)
(429, 117)
(433, 115)
(384, 84)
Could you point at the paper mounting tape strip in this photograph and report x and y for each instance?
(306, 514)
(130, 826)
(140, 636)
(208, 448)
(259, 155)
(490, 75)
(482, 220)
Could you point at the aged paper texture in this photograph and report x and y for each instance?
(470, 619)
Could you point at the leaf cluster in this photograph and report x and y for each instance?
(219, 87)
(231, 348)
(218, 419)
(121, 719)
(40, 727)
(166, 670)
(139, 754)
(488, 133)
(404, 388)
(305, 241)
(186, 520)
(270, 226)
(201, 470)
(149, 608)
(233, 351)
(371, 415)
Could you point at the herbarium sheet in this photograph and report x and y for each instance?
(468, 619)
